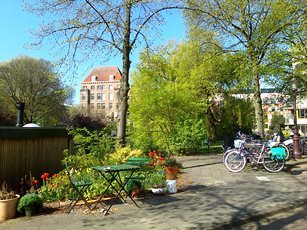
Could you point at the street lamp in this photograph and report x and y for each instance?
(296, 138)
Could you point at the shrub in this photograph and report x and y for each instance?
(29, 200)
(122, 154)
(156, 179)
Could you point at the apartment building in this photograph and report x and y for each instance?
(99, 92)
(274, 102)
(301, 115)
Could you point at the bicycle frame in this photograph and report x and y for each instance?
(253, 156)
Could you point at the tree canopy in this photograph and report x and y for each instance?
(254, 27)
(178, 98)
(93, 29)
(33, 81)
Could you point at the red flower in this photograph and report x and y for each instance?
(161, 160)
(55, 175)
(45, 176)
(150, 154)
(34, 182)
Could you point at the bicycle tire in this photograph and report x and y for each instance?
(226, 152)
(273, 165)
(235, 161)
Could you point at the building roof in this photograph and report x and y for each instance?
(102, 73)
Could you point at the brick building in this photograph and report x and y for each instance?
(99, 92)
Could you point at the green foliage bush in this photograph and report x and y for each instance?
(99, 144)
(187, 136)
(156, 179)
(121, 155)
(29, 200)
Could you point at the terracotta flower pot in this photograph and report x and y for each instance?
(171, 172)
(8, 208)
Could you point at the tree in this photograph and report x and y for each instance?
(101, 29)
(277, 123)
(165, 111)
(252, 26)
(33, 82)
(175, 96)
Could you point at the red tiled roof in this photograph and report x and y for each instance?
(103, 73)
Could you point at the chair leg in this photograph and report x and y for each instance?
(79, 196)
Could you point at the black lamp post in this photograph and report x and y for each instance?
(20, 106)
(296, 138)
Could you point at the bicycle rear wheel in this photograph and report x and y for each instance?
(235, 161)
(286, 149)
(273, 165)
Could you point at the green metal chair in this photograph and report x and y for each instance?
(79, 183)
(143, 162)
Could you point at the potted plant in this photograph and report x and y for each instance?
(157, 182)
(29, 204)
(172, 168)
(134, 187)
(8, 203)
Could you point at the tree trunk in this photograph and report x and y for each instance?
(257, 101)
(124, 87)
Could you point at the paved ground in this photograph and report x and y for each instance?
(215, 199)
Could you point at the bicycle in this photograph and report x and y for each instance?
(272, 159)
(243, 138)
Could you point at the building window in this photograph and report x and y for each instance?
(92, 96)
(92, 87)
(84, 87)
(302, 113)
(111, 96)
(110, 106)
(99, 96)
(83, 97)
(98, 105)
(117, 106)
(92, 105)
(103, 105)
(110, 87)
(103, 96)
(111, 77)
(99, 87)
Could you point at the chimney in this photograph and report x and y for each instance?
(20, 106)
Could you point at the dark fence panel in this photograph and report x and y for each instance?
(30, 150)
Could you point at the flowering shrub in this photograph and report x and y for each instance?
(54, 188)
(156, 158)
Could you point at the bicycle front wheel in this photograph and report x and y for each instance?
(273, 165)
(235, 161)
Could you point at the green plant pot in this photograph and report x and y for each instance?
(29, 211)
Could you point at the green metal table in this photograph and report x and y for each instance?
(112, 174)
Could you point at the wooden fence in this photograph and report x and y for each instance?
(30, 150)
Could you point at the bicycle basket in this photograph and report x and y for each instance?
(238, 143)
(278, 153)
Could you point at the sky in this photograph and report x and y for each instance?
(15, 37)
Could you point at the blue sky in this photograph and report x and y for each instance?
(16, 25)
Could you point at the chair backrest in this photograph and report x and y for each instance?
(139, 161)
